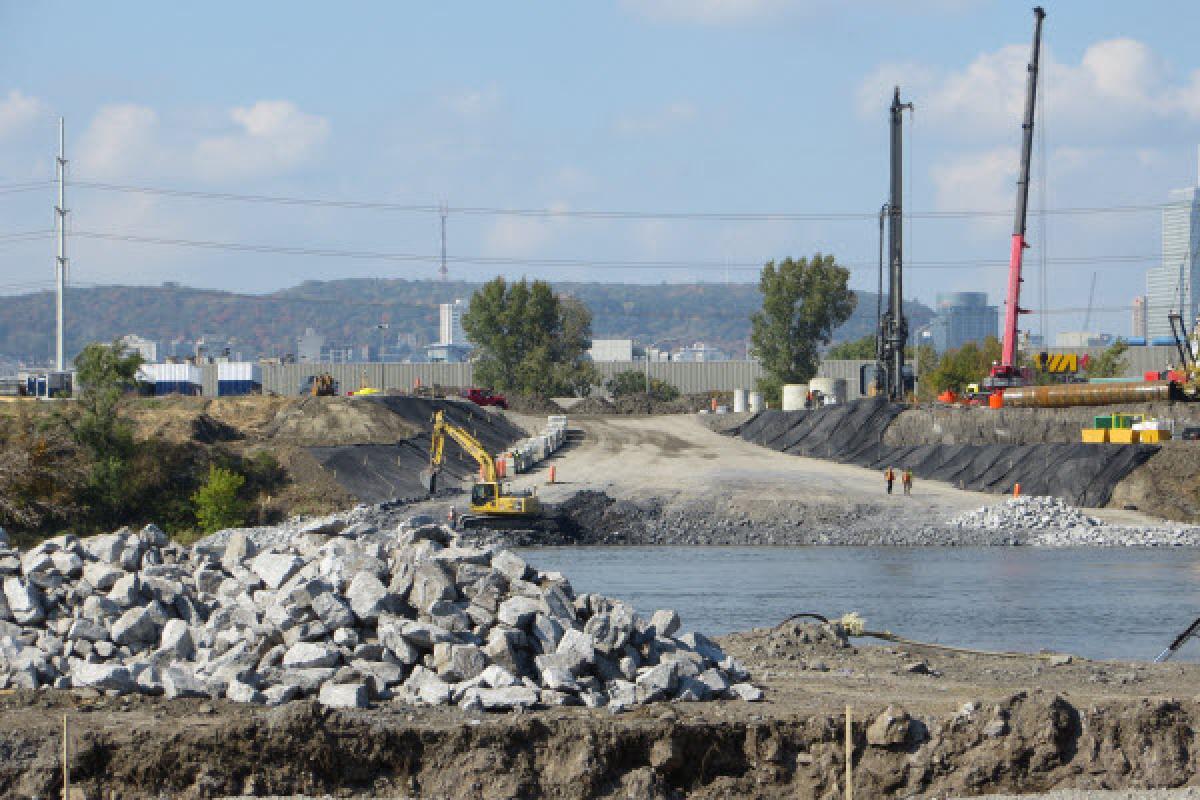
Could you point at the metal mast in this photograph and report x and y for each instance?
(60, 261)
(895, 326)
(443, 271)
(1007, 369)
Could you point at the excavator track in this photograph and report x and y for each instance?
(546, 523)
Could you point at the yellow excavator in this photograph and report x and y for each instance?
(491, 504)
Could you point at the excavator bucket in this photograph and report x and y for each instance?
(429, 481)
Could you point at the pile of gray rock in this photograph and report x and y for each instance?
(1051, 522)
(346, 611)
(1026, 513)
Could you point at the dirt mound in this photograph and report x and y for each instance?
(338, 421)
(593, 405)
(533, 404)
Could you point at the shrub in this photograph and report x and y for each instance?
(217, 503)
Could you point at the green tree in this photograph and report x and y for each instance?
(105, 373)
(1110, 363)
(957, 368)
(855, 350)
(632, 382)
(217, 503)
(528, 340)
(802, 302)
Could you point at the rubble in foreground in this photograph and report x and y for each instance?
(340, 610)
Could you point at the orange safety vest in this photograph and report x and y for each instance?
(889, 475)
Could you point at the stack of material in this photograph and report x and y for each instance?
(341, 610)
(526, 454)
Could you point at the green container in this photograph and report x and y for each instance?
(1105, 422)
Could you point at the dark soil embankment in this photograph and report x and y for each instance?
(375, 473)
(856, 433)
(940, 736)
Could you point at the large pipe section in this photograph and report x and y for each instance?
(1087, 394)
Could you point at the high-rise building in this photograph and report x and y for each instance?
(963, 317)
(309, 346)
(1138, 328)
(450, 331)
(1171, 287)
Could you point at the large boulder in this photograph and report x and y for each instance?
(274, 569)
(24, 600)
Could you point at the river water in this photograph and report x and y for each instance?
(1104, 603)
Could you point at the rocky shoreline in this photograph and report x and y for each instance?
(594, 518)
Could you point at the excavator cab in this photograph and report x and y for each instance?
(483, 494)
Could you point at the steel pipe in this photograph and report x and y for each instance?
(1087, 394)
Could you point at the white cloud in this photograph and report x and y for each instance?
(268, 137)
(119, 140)
(1119, 88)
(669, 116)
(274, 136)
(709, 12)
(984, 180)
(18, 110)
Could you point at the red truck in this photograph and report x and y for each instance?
(485, 397)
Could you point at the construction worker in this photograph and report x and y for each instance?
(906, 481)
(889, 475)
(452, 518)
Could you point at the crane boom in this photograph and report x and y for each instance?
(1006, 370)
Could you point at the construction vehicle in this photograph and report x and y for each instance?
(322, 385)
(492, 505)
(892, 378)
(1006, 373)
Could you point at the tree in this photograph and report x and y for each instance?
(528, 340)
(962, 366)
(217, 503)
(632, 382)
(105, 373)
(856, 350)
(803, 302)
(1110, 363)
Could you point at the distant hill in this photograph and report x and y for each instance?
(348, 311)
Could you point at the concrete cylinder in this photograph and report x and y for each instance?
(793, 396)
(755, 401)
(739, 400)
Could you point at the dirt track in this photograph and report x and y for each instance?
(679, 461)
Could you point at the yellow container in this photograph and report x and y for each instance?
(1123, 436)
(1095, 435)
(1154, 437)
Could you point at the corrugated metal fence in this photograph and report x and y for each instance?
(689, 376)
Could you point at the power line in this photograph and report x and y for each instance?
(722, 216)
(433, 258)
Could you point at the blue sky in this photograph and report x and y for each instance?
(712, 106)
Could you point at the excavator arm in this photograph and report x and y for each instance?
(472, 446)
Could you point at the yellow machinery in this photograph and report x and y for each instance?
(488, 497)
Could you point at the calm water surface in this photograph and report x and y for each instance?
(1101, 603)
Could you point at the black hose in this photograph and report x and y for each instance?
(805, 614)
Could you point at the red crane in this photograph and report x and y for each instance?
(1006, 373)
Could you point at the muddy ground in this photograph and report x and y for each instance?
(926, 723)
